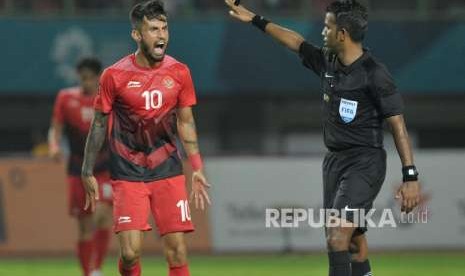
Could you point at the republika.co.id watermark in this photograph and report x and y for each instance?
(318, 218)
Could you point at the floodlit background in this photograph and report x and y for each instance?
(258, 119)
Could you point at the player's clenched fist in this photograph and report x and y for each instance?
(91, 187)
(239, 12)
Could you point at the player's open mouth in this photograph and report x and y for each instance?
(159, 48)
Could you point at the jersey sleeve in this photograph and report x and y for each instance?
(388, 99)
(58, 108)
(106, 93)
(312, 57)
(187, 95)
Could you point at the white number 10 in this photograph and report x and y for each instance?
(150, 99)
(185, 213)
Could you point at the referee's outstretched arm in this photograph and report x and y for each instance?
(288, 38)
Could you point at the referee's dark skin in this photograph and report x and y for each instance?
(345, 25)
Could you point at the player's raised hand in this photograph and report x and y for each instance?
(409, 194)
(239, 12)
(91, 188)
(199, 190)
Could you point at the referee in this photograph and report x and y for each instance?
(358, 95)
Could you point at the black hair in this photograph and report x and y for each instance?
(90, 63)
(150, 9)
(351, 16)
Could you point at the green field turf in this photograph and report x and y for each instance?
(390, 264)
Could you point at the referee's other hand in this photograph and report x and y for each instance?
(409, 194)
(239, 12)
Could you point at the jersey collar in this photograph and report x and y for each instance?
(357, 63)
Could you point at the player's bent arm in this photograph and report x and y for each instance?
(401, 139)
(94, 142)
(187, 130)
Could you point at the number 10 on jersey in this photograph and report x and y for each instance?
(153, 99)
(185, 212)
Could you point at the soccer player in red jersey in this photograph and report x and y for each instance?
(143, 105)
(72, 115)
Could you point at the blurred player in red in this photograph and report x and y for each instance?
(144, 105)
(72, 116)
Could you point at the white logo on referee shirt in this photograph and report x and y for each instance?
(347, 110)
(350, 209)
(122, 220)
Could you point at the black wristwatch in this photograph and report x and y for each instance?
(409, 173)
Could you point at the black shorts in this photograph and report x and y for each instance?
(352, 179)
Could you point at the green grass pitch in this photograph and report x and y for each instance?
(385, 264)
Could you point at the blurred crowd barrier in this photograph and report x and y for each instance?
(243, 188)
(34, 215)
(189, 7)
(227, 58)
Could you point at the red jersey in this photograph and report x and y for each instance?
(74, 110)
(141, 103)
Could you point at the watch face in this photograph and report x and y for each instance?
(411, 172)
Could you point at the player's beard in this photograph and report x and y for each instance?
(147, 50)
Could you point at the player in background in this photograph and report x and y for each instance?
(358, 96)
(72, 115)
(144, 104)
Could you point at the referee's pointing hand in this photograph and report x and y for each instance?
(239, 12)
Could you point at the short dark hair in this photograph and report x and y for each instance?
(150, 9)
(90, 63)
(351, 16)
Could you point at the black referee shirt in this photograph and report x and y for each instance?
(356, 98)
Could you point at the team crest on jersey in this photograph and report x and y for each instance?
(168, 82)
(347, 110)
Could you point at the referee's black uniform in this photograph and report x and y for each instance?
(356, 100)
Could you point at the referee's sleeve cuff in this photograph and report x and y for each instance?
(387, 115)
(301, 48)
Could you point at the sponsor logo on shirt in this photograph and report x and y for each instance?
(134, 84)
(122, 220)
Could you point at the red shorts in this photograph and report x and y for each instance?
(77, 194)
(166, 199)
